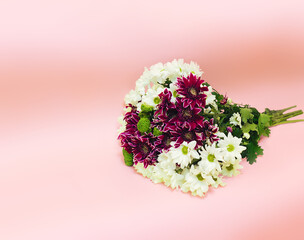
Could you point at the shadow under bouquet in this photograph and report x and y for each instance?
(178, 130)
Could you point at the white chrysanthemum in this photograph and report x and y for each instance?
(231, 147)
(197, 184)
(163, 169)
(159, 73)
(220, 134)
(151, 98)
(123, 124)
(230, 169)
(218, 181)
(174, 69)
(172, 89)
(146, 172)
(210, 97)
(210, 156)
(133, 97)
(191, 68)
(143, 82)
(246, 135)
(236, 120)
(154, 74)
(184, 154)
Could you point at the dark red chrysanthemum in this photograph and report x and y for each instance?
(163, 141)
(209, 130)
(131, 131)
(224, 100)
(165, 102)
(192, 91)
(183, 132)
(145, 150)
(166, 113)
(188, 114)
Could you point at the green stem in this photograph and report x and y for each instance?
(289, 121)
(285, 109)
(279, 118)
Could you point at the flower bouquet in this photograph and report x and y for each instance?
(178, 130)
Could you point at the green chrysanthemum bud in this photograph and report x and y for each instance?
(128, 157)
(146, 108)
(143, 125)
(156, 132)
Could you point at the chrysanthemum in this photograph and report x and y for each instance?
(165, 171)
(230, 169)
(210, 99)
(210, 156)
(133, 97)
(144, 150)
(163, 141)
(197, 184)
(164, 102)
(231, 146)
(209, 130)
(182, 132)
(192, 91)
(186, 114)
(151, 98)
(184, 154)
(236, 120)
(131, 118)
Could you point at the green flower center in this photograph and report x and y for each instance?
(185, 150)
(156, 100)
(230, 167)
(200, 177)
(211, 158)
(230, 148)
(175, 93)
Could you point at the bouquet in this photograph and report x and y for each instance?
(178, 130)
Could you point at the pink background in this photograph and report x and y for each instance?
(65, 67)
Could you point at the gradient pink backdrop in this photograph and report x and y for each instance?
(65, 67)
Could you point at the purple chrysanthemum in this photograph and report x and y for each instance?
(163, 141)
(165, 102)
(145, 150)
(188, 114)
(131, 131)
(209, 130)
(224, 100)
(192, 91)
(184, 132)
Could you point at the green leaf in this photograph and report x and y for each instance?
(253, 150)
(246, 114)
(237, 132)
(128, 157)
(247, 127)
(264, 119)
(263, 124)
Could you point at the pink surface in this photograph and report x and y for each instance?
(65, 67)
